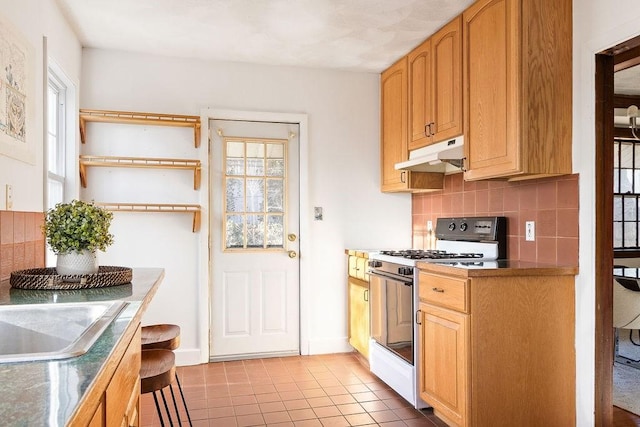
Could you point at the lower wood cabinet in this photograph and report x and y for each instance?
(358, 300)
(119, 403)
(122, 396)
(359, 315)
(498, 350)
(444, 360)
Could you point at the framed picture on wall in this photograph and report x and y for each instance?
(17, 94)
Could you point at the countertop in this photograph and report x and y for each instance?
(497, 268)
(48, 393)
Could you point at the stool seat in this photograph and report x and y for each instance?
(162, 336)
(157, 370)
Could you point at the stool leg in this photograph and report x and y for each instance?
(155, 399)
(184, 402)
(175, 405)
(166, 407)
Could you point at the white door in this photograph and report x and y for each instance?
(255, 239)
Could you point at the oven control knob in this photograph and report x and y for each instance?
(405, 271)
(452, 226)
(463, 226)
(375, 263)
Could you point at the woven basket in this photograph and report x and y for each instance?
(48, 278)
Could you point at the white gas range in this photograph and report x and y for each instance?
(469, 242)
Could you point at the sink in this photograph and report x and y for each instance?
(53, 331)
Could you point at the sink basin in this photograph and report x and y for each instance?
(53, 331)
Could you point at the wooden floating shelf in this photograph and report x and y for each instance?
(157, 207)
(127, 117)
(140, 162)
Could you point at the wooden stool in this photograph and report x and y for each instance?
(166, 337)
(161, 336)
(157, 371)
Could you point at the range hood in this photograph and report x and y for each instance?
(444, 157)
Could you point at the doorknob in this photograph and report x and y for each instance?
(292, 237)
(292, 254)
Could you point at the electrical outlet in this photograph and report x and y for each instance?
(530, 231)
(8, 197)
(429, 225)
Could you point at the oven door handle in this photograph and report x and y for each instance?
(403, 280)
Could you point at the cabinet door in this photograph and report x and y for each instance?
(353, 266)
(444, 361)
(420, 96)
(359, 316)
(123, 391)
(491, 95)
(98, 417)
(446, 50)
(394, 125)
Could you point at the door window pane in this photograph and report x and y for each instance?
(235, 195)
(255, 231)
(275, 231)
(255, 186)
(275, 195)
(255, 194)
(234, 231)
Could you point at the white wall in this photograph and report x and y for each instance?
(598, 24)
(35, 19)
(343, 177)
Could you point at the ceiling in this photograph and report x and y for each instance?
(356, 35)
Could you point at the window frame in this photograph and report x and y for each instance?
(633, 193)
(244, 214)
(58, 175)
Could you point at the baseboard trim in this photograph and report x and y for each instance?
(188, 357)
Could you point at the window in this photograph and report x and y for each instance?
(56, 140)
(626, 193)
(254, 193)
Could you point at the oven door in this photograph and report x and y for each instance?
(391, 316)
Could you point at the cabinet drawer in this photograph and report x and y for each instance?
(444, 291)
(358, 266)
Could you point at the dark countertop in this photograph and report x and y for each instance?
(48, 393)
(497, 268)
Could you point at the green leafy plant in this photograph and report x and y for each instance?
(77, 226)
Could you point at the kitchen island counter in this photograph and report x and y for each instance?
(68, 391)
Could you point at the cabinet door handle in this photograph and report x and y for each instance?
(418, 315)
(426, 130)
(403, 175)
(431, 133)
(437, 290)
(366, 295)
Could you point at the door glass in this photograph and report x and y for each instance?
(255, 193)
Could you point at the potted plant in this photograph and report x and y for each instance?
(74, 231)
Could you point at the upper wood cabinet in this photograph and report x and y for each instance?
(393, 147)
(393, 92)
(517, 88)
(435, 87)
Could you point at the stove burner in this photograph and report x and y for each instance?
(430, 254)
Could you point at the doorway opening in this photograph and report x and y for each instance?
(620, 57)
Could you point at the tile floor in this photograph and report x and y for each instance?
(326, 390)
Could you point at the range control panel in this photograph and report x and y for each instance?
(476, 229)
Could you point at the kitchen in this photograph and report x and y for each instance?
(344, 107)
